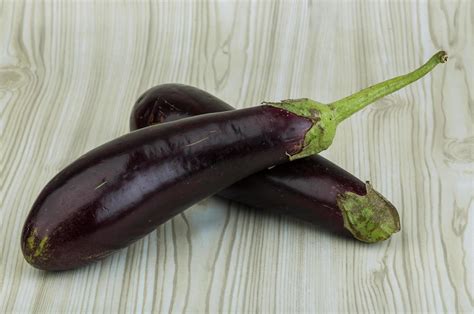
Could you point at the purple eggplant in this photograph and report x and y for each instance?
(312, 188)
(122, 190)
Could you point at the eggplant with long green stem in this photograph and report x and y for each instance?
(122, 190)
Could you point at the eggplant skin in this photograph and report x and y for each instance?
(306, 188)
(122, 190)
(171, 102)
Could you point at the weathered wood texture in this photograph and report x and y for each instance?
(70, 72)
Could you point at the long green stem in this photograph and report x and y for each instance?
(326, 117)
(347, 106)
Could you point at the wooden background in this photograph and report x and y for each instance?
(70, 72)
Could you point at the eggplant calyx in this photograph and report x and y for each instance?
(320, 136)
(370, 218)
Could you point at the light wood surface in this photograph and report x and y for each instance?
(70, 72)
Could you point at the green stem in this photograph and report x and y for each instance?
(347, 106)
(326, 117)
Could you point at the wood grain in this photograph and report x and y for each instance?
(70, 72)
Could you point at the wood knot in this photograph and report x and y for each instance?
(12, 78)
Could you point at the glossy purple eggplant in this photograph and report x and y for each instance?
(310, 188)
(124, 189)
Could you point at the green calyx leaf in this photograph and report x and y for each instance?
(369, 218)
(321, 134)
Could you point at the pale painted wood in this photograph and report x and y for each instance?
(70, 72)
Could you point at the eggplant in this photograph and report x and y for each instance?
(122, 190)
(312, 189)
